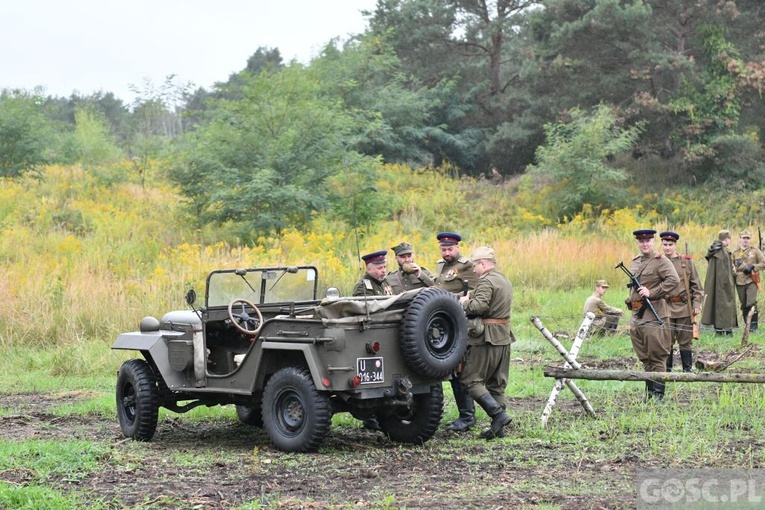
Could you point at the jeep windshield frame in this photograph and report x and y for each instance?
(261, 285)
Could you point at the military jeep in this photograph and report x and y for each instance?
(288, 361)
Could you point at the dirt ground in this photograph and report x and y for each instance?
(226, 464)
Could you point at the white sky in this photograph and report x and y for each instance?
(108, 45)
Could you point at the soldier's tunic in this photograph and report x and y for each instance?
(401, 281)
(606, 316)
(488, 360)
(650, 341)
(373, 287)
(719, 286)
(746, 288)
(681, 322)
(449, 275)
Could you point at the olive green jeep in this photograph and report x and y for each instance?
(288, 361)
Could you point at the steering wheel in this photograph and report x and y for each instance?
(243, 321)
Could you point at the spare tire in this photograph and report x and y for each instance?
(433, 335)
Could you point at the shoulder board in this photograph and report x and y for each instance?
(440, 262)
(462, 260)
(658, 255)
(688, 256)
(635, 258)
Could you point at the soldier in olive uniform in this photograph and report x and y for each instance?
(684, 305)
(487, 364)
(409, 275)
(372, 283)
(606, 316)
(454, 273)
(658, 279)
(748, 261)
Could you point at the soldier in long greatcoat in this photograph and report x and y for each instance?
(720, 287)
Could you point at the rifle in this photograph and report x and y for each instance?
(635, 284)
(689, 299)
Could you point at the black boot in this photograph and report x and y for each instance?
(466, 408)
(670, 361)
(744, 313)
(755, 321)
(648, 391)
(686, 357)
(499, 418)
(658, 390)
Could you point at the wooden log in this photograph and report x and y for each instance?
(628, 375)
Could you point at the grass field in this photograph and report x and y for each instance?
(60, 445)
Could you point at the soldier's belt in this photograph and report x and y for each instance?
(492, 320)
(676, 299)
(635, 305)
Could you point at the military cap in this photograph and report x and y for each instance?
(377, 257)
(670, 236)
(746, 234)
(644, 233)
(723, 234)
(402, 248)
(484, 252)
(601, 283)
(448, 238)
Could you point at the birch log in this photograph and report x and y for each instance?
(627, 375)
(559, 383)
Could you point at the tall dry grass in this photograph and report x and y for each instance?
(86, 254)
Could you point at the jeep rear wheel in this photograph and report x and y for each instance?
(137, 400)
(434, 333)
(421, 421)
(295, 415)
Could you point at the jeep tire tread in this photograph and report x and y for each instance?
(137, 400)
(296, 415)
(421, 423)
(434, 333)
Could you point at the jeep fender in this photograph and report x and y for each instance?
(309, 353)
(153, 346)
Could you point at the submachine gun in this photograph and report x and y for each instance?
(635, 284)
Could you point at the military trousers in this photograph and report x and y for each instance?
(747, 295)
(651, 342)
(681, 330)
(486, 369)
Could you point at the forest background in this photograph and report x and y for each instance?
(602, 116)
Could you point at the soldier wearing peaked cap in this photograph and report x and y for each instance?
(409, 274)
(683, 305)
(606, 316)
(748, 261)
(658, 279)
(454, 273)
(372, 283)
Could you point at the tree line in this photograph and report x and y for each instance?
(583, 96)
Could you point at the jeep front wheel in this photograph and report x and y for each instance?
(434, 333)
(295, 415)
(419, 423)
(137, 400)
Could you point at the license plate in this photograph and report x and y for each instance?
(370, 370)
